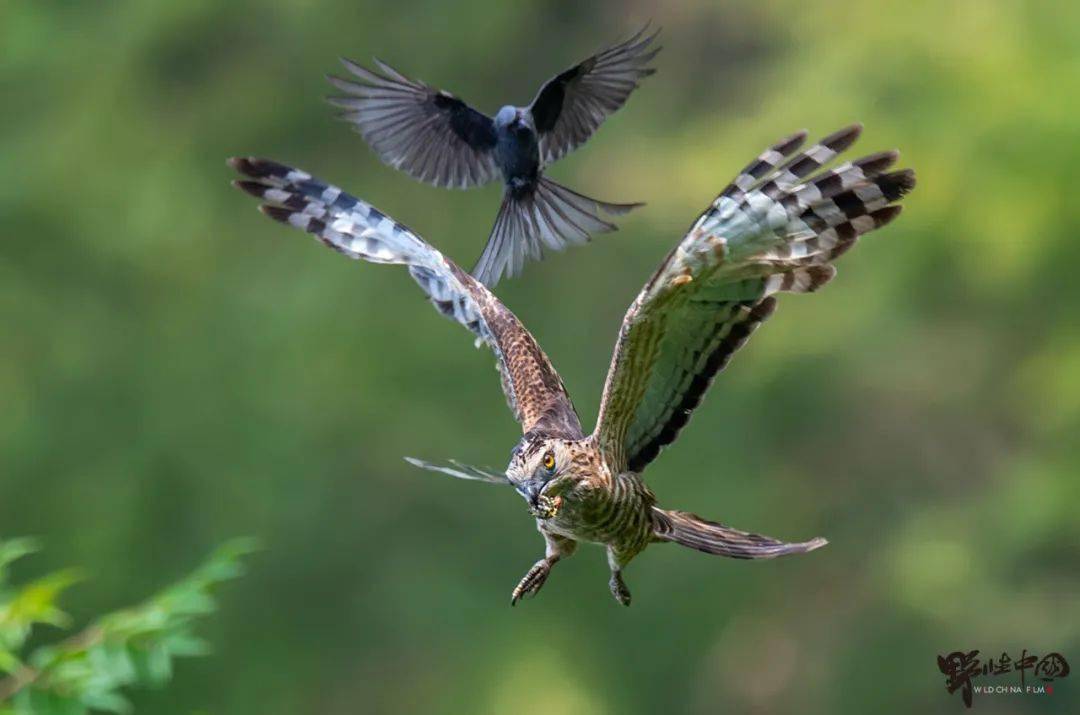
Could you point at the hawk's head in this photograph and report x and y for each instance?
(540, 467)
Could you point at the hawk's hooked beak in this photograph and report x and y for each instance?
(531, 490)
(540, 505)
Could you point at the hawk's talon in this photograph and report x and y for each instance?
(619, 589)
(532, 581)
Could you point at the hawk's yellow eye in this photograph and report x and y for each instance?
(549, 462)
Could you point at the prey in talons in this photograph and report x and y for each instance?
(546, 507)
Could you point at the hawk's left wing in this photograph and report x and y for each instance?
(775, 228)
(533, 389)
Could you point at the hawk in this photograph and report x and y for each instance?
(437, 138)
(776, 228)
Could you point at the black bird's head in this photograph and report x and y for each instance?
(515, 119)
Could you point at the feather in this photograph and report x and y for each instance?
(570, 106)
(692, 531)
(356, 229)
(552, 215)
(461, 471)
(775, 228)
(431, 135)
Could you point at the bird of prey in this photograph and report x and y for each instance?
(439, 139)
(776, 228)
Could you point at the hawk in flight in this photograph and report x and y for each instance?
(437, 138)
(776, 228)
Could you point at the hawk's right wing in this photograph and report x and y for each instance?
(533, 389)
(777, 227)
(429, 134)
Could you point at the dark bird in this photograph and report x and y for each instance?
(777, 228)
(439, 139)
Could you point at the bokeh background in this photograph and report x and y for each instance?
(176, 370)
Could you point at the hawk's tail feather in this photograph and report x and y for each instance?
(552, 216)
(692, 531)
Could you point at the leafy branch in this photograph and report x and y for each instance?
(131, 647)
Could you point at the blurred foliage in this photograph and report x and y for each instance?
(174, 368)
(132, 647)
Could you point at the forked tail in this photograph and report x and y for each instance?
(552, 216)
(690, 530)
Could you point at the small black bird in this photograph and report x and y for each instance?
(437, 138)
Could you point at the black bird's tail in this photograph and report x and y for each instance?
(550, 216)
(696, 533)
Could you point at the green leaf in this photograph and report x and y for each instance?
(43, 702)
(132, 646)
(9, 662)
(110, 702)
(159, 665)
(181, 645)
(112, 661)
(14, 549)
(32, 604)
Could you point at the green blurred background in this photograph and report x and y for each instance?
(175, 369)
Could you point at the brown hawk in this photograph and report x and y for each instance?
(776, 228)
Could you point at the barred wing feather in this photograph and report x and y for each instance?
(356, 229)
(776, 228)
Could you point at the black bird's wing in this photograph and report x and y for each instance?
(571, 105)
(429, 134)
